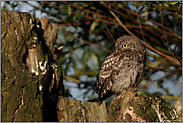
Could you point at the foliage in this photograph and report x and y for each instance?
(88, 31)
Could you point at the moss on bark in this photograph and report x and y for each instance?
(21, 96)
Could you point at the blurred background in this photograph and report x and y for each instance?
(88, 31)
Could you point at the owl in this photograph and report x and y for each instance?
(123, 68)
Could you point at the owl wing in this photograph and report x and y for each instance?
(109, 66)
(104, 83)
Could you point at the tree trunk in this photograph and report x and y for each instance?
(31, 82)
(127, 108)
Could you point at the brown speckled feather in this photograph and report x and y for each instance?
(123, 68)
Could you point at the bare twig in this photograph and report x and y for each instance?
(162, 22)
(86, 10)
(89, 43)
(173, 53)
(177, 34)
(61, 47)
(160, 53)
(111, 37)
(144, 18)
(74, 24)
(86, 16)
(150, 82)
(139, 24)
(117, 19)
(102, 45)
(68, 78)
(158, 69)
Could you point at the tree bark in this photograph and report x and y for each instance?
(126, 108)
(31, 82)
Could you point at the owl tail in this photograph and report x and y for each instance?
(99, 102)
(101, 98)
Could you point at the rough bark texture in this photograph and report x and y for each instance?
(30, 93)
(131, 108)
(71, 110)
(127, 108)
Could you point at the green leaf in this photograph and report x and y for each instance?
(99, 29)
(148, 7)
(155, 7)
(85, 57)
(69, 10)
(120, 5)
(93, 26)
(171, 2)
(95, 59)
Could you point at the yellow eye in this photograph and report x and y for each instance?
(124, 46)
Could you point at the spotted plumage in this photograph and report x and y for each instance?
(123, 68)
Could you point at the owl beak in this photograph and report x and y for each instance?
(116, 51)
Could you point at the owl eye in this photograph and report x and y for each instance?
(125, 46)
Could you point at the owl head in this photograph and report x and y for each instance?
(128, 43)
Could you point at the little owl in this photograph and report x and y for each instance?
(123, 68)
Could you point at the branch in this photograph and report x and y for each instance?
(147, 45)
(173, 53)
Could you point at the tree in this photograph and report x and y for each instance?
(157, 23)
(28, 95)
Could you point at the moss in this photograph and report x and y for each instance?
(142, 107)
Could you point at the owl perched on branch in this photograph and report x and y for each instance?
(123, 68)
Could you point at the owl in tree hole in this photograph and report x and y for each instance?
(123, 68)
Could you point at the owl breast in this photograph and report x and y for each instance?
(129, 72)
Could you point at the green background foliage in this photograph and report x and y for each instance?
(88, 31)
